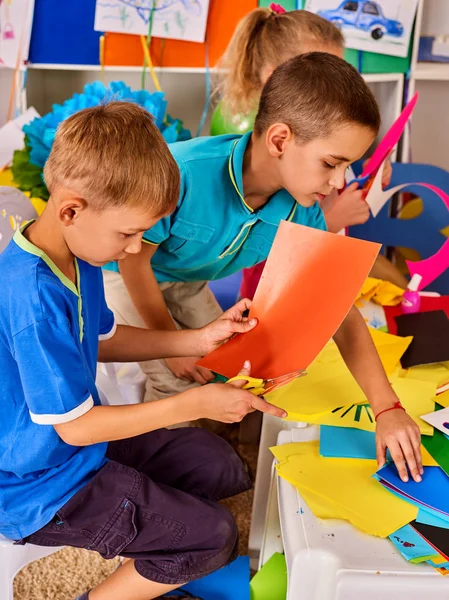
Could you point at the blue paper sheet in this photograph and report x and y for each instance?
(346, 442)
(430, 518)
(229, 583)
(410, 544)
(432, 492)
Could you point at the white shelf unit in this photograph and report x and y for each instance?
(185, 88)
(426, 139)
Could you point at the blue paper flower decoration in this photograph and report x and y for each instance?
(40, 133)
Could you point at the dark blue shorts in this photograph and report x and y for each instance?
(156, 501)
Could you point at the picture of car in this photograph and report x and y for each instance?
(364, 15)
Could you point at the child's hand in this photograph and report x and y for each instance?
(387, 172)
(228, 403)
(400, 434)
(348, 209)
(225, 327)
(186, 368)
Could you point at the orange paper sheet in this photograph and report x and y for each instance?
(308, 286)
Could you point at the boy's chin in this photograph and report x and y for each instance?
(307, 200)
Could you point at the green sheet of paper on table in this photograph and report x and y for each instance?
(270, 583)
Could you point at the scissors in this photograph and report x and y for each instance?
(259, 387)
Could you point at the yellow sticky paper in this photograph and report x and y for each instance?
(349, 407)
(346, 485)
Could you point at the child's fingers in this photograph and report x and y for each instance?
(238, 310)
(207, 375)
(243, 326)
(264, 406)
(398, 459)
(353, 187)
(409, 453)
(246, 370)
(380, 453)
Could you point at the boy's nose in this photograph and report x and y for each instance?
(135, 246)
(337, 180)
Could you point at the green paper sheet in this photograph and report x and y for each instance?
(437, 445)
(270, 583)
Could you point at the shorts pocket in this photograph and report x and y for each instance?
(118, 532)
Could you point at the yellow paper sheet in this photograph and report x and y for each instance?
(390, 349)
(443, 399)
(346, 404)
(347, 487)
(329, 383)
(381, 292)
(438, 374)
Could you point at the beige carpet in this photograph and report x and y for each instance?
(70, 572)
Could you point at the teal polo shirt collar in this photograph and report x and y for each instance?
(281, 206)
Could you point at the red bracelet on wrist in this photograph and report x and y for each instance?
(395, 407)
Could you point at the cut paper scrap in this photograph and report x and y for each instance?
(430, 268)
(346, 442)
(348, 484)
(350, 408)
(411, 545)
(270, 582)
(389, 141)
(440, 420)
(297, 313)
(381, 292)
(430, 331)
(443, 399)
(432, 493)
(428, 518)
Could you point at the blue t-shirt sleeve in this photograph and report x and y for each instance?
(107, 326)
(312, 216)
(161, 230)
(52, 372)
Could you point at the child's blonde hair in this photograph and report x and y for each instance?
(266, 38)
(114, 155)
(314, 94)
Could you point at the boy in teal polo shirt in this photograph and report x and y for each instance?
(316, 117)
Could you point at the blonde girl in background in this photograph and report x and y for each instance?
(263, 40)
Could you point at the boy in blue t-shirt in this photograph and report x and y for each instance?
(108, 478)
(316, 116)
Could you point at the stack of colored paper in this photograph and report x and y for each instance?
(426, 538)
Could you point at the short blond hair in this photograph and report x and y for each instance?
(114, 155)
(264, 38)
(314, 94)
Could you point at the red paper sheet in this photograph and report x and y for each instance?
(308, 286)
(427, 304)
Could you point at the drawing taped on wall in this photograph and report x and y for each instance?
(172, 19)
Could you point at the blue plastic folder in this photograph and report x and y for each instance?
(410, 544)
(431, 493)
(229, 583)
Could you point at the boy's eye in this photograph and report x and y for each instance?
(129, 235)
(329, 166)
